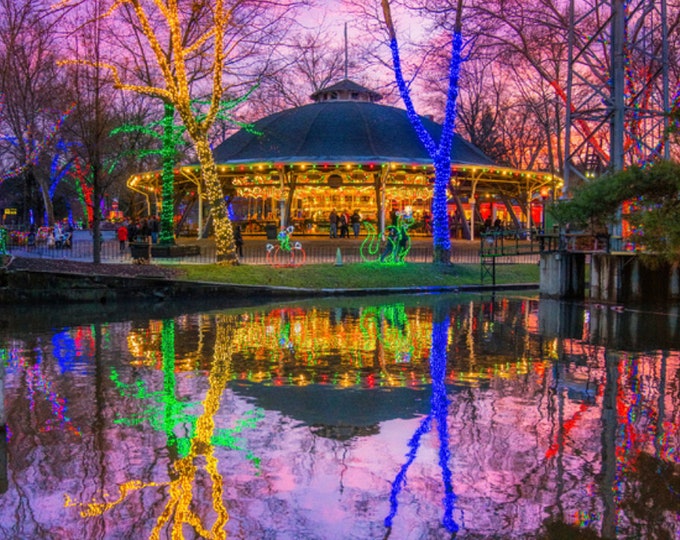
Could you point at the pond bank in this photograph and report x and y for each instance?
(31, 281)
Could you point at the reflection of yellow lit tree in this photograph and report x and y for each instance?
(181, 492)
(179, 509)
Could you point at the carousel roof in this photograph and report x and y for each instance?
(349, 131)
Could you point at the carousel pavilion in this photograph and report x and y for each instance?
(346, 152)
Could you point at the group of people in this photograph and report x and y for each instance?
(143, 230)
(489, 227)
(138, 230)
(341, 222)
(59, 236)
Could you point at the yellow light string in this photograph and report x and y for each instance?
(173, 67)
(93, 509)
(178, 505)
(181, 493)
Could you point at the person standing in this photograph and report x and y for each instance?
(238, 240)
(356, 223)
(131, 231)
(154, 228)
(333, 219)
(344, 227)
(122, 234)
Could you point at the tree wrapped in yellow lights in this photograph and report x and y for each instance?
(191, 43)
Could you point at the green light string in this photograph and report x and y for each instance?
(166, 412)
(370, 247)
(223, 112)
(398, 243)
(3, 241)
(169, 156)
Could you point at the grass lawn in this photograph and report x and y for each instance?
(356, 276)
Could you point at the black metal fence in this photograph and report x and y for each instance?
(256, 253)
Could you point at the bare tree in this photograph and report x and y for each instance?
(32, 108)
(311, 61)
(201, 50)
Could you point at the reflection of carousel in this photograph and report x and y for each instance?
(347, 152)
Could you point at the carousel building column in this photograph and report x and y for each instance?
(511, 211)
(282, 198)
(473, 202)
(530, 221)
(382, 183)
(461, 212)
(288, 195)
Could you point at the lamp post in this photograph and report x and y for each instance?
(545, 192)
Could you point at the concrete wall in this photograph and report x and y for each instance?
(624, 277)
(614, 278)
(562, 275)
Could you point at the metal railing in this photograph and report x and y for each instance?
(255, 253)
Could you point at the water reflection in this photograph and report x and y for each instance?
(418, 417)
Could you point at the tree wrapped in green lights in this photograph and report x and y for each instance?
(190, 51)
(171, 136)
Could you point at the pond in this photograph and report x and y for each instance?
(410, 417)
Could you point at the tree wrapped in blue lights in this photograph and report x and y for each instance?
(439, 153)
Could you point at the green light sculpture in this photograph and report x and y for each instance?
(397, 244)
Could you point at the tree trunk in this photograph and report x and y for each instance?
(224, 232)
(47, 202)
(441, 237)
(167, 236)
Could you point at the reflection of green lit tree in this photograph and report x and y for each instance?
(166, 412)
(165, 415)
(438, 413)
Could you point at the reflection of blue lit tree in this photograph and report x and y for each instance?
(438, 412)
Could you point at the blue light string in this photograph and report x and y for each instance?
(438, 410)
(440, 407)
(400, 479)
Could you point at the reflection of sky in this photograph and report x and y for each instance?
(505, 441)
